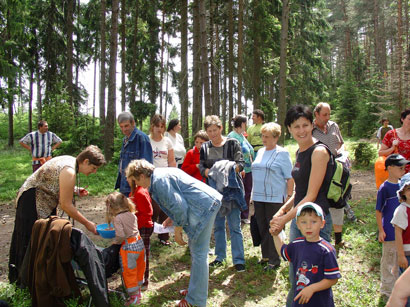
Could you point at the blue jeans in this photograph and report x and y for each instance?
(198, 281)
(294, 232)
(234, 223)
(401, 271)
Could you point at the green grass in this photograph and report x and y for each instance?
(15, 167)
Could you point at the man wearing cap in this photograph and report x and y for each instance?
(40, 143)
(386, 203)
(311, 257)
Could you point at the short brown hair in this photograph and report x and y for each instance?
(212, 120)
(93, 154)
(259, 113)
(202, 135)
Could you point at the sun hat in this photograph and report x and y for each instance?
(403, 182)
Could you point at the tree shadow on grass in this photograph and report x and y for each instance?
(251, 286)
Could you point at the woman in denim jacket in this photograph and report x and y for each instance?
(191, 205)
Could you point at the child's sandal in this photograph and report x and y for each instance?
(183, 292)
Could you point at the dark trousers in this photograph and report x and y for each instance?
(26, 215)
(145, 234)
(36, 167)
(263, 214)
(247, 183)
(159, 216)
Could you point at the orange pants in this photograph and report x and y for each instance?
(132, 260)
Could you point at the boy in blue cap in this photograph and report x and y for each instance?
(313, 259)
(386, 204)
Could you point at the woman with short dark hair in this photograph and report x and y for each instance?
(311, 173)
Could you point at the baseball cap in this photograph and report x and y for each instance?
(395, 160)
(315, 207)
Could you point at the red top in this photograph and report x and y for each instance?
(190, 164)
(142, 202)
(403, 147)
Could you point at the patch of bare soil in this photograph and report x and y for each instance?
(94, 209)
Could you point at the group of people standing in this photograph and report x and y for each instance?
(245, 168)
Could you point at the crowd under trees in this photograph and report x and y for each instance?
(231, 55)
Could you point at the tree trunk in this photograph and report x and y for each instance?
(166, 81)
(213, 27)
(256, 70)
(133, 72)
(102, 64)
(161, 75)
(110, 120)
(197, 84)
(399, 56)
(94, 87)
(231, 59)
(183, 82)
(225, 90)
(204, 58)
(283, 67)
(348, 47)
(38, 83)
(240, 55)
(153, 27)
(377, 47)
(30, 102)
(69, 72)
(123, 64)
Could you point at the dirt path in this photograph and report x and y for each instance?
(94, 209)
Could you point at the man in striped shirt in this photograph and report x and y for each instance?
(40, 143)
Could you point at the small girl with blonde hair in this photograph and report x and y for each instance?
(121, 212)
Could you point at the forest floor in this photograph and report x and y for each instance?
(94, 209)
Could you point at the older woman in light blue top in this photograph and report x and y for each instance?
(272, 186)
(239, 127)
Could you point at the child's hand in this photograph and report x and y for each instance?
(403, 263)
(168, 222)
(304, 295)
(382, 236)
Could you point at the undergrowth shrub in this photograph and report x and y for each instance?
(364, 153)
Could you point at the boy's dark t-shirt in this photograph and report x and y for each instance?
(312, 262)
(386, 203)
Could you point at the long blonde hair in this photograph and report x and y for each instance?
(117, 203)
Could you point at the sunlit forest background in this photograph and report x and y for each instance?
(221, 57)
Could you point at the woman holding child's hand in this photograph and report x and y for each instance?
(311, 174)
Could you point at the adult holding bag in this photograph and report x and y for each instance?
(395, 141)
